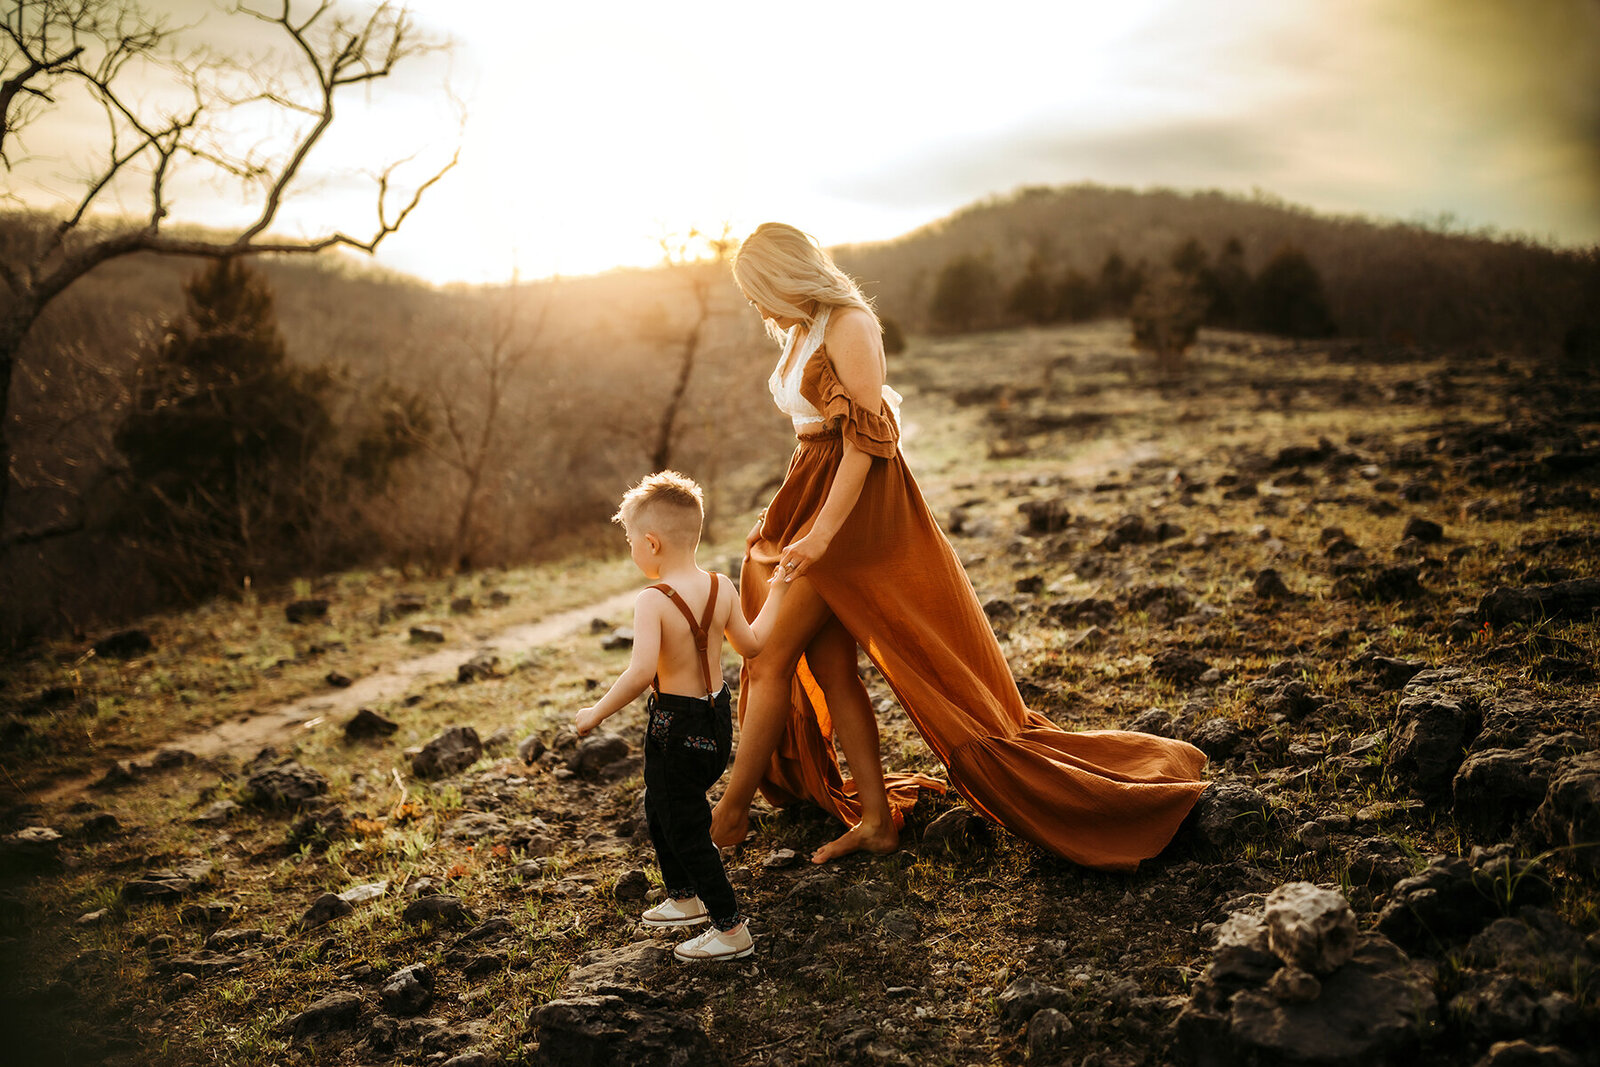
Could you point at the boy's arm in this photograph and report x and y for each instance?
(640, 670)
(749, 638)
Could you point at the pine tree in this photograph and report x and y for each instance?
(221, 433)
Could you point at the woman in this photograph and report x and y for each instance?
(868, 566)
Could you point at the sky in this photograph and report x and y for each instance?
(587, 131)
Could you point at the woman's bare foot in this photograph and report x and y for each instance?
(730, 824)
(859, 838)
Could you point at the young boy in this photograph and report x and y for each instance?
(678, 626)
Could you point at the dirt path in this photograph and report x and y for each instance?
(280, 725)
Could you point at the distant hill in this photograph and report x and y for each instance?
(1385, 280)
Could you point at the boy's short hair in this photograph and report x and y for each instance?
(668, 503)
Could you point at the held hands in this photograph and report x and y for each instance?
(798, 557)
(587, 719)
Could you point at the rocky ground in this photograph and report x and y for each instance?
(1363, 580)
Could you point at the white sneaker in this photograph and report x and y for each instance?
(671, 912)
(714, 944)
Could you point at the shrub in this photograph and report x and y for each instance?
(1287, 297)
(1077, 299)
(965, 296)
(1166, 316)
(1119, 284)
(1033, 297)
(894, 339)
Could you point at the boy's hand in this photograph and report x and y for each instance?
(776, 586)
(586, 719)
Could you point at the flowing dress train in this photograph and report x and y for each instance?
(1102, 798)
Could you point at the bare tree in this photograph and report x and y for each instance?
(696, 258)
(472, 408)
(51, 50)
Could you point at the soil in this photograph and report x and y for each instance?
(1119, 529)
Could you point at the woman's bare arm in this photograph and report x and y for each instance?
(856, 350)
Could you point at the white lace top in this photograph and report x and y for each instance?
(786, 387)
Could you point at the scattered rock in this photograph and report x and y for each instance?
(1393, 584)
(625, 1027)
(474, 826)
(632, 886)
(1390, 673)
(217, 814)
(1378, 863)
(618, 639)
(462, 605)
(1578, 598)
(1046, 516)
(34, 848)
(125, 644)
(1455, 896)
(1439, 714)
(631, 964)
(1524, 1054)
(1569, 816)
(165, 885)
(438, 908)
(1423, 530)
(360, 894)
(1310, 927)
(1178, 667)
(336, 1011)
(454, 750)
(531, 748)
(338, 680)
(287, 784)
(408, 990)
(1024, 997)
(1048, 1033)
(367, 724)
(960, 830)
(781, 859)
(596, 752)
(324, 910)
(1269, 585)
(1228, 811)
(299, 611)
(483, 665)
(427, 635)
(1218, 737)
(1370, 1009)
(1089, 610)
(1496, 787)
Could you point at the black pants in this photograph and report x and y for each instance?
(686, 748)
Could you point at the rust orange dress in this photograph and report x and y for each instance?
(1102, 798)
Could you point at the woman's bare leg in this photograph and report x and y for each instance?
(767, 704)
(832, 659)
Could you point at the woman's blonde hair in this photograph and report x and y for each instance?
(781, 269)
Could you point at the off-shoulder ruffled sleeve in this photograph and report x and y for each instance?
(873, 430)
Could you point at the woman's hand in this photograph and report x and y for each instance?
(755, 533)
(798, 557)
